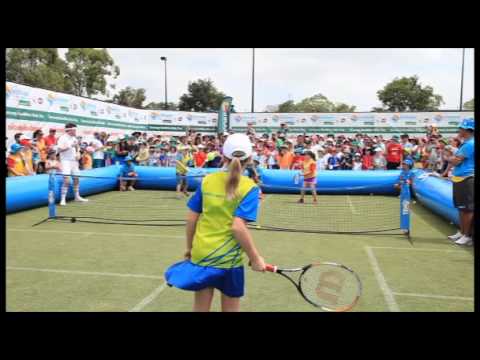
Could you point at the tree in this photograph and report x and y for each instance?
(130, 97)
(161, 106)
(469, 105)
(37, 67)
(407, 94)
(88, 69)
(202, 96)
(315, 103)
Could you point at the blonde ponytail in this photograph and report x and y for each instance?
(235, 172)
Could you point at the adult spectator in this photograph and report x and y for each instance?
(68, 149)
(51, 139)
(200, 157)
(121, 150)
(334, 160)
(284, 129)
(357, 162)
(143, 155)
(284, 158)
(367, 159)
(394, 154)
(463, 181)
(250, 129)
(15, 161)
(98, 154)
(41, 149)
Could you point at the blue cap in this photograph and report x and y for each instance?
(408, 162)
(468, 123)
(128, 158)
(15, 148)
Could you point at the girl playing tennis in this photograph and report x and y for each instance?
(217, 235)
(309, 176)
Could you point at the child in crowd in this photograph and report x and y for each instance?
(357, 162)
(379, 161)
(86, 159)
(52, 164)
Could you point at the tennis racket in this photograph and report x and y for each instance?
(329, 286)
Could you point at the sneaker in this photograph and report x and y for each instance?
(457, 236)
(131, 188)
(464, 240)
(63, 202)
(79, 198)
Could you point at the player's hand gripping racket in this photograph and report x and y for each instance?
(328, 286)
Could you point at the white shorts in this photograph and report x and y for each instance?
(70, 167)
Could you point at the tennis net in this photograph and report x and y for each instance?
(280, 210)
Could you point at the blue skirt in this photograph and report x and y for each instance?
(189, 276)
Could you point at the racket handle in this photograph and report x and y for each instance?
(271, 268)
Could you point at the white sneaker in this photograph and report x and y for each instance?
(63, 202)
(464, 240)
(79, 198)
(457, 236)
(131, 188)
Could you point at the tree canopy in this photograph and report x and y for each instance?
(407, 94)
(202, 95)
(315, 103)
(130, 97)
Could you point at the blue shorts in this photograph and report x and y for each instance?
(189, 276)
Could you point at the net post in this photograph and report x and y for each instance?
(52, 211)
(405, 201)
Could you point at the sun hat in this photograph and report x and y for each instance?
(237, 145)
(468, 123)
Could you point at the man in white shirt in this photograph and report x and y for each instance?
(68, 150)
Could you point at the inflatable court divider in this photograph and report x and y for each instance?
(26, 192)
(435, 194)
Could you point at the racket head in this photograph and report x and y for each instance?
(330, 286)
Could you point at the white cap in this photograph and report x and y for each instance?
(238, 144)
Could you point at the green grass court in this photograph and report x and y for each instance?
(62, 266)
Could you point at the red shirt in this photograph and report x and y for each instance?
(394, 152)
(297, 163)
(199, 158)
(367, 162)
(50, 140)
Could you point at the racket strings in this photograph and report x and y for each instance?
(332, 287)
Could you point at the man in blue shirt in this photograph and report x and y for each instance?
(127, 171)
(463, 181)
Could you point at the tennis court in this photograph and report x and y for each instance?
(93, 266)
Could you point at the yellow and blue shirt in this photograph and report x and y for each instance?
(213, 242)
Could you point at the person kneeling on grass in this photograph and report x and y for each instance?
(309, 176)
(217, 235)
(128, 170)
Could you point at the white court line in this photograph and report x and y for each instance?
(435, 296)
(97, 232)
(149, 298)
(83, 272)
(387, 293)
(417, 249)
(351, 205)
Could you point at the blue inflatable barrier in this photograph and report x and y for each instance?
(436, 194)
(334, 182)
(26, 192)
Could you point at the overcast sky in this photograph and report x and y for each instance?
(352, 76)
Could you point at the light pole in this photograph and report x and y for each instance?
(163, 58)
(461, 82)
(253, 79)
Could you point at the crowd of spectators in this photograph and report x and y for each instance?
(36, 154)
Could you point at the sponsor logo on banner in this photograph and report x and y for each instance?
(438, 117)
(15, 92)
(314, 118)
(395, 118)
(354, 118)
(189, 117)
(303, 120)
(383, 120)
(265, 120)
(342, 120)
(40, 100)
(275, 118)
(237, 118)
